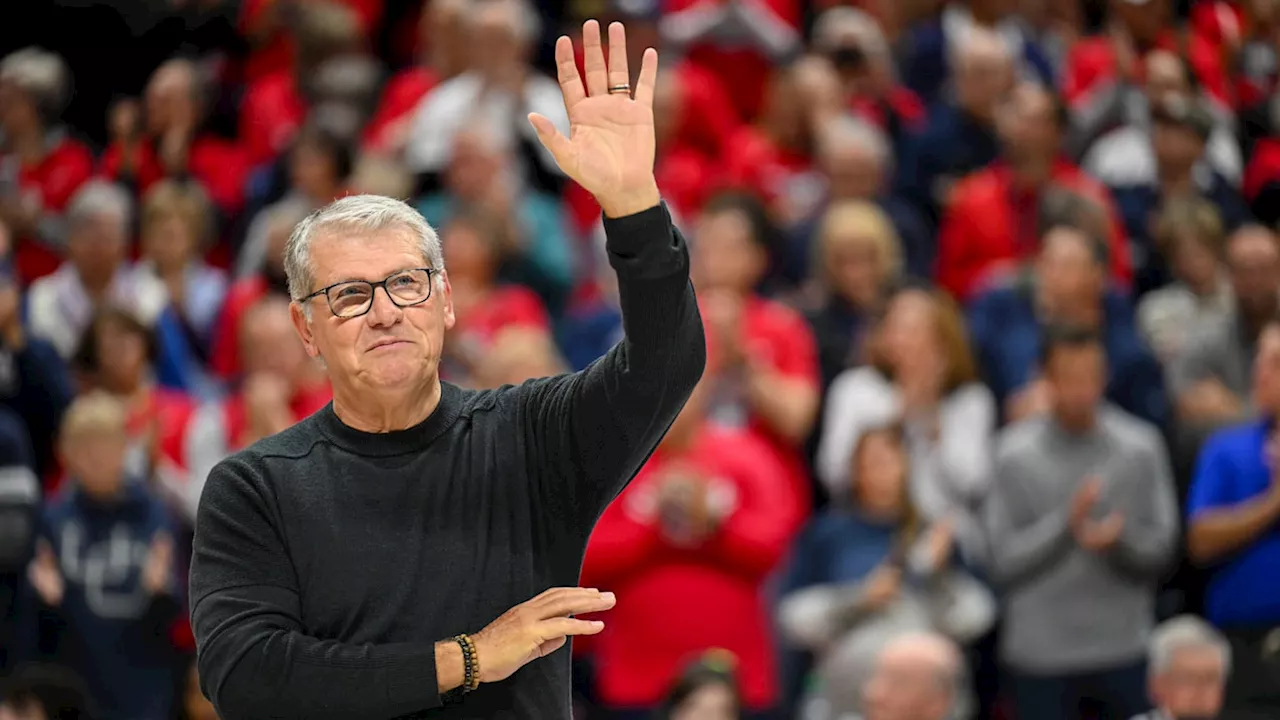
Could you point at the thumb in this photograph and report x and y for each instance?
(551, 138)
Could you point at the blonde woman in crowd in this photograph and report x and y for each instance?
(921, 373)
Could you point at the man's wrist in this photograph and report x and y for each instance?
(631, 203)
(451, 668)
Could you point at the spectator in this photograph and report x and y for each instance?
(441, 55)
(706, 690)
(35, 387)
(1210, 381)
(738, 42)
(195, 705)
(708, 516)
(60, 306)
(19, 515)
(275, 104)
(536, 250)
(989, 227)
(482, 305)
(870, 569)
(43, 166)
(917, 677)
(173, 142)
(857, 259)
(853, 42)
(1178, 140)
(1124, 155)
(44, 692)
(1232, 513)
(857, 165)
(517, 354)
(773, 157)
(1187, 669)
(1188, 232)
(105, 565)
(1113, 61)
(959, 136)
(920, 372)
(269, 280)
(770, 380)
(1083, 511)
(493, 96)
(117, 355)
(319, 166)
(281, 386)
(1067, 285)
(932, 46)
(177, 226)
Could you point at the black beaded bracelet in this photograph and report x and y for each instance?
(468, 663)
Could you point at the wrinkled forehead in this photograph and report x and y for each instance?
(342, 253)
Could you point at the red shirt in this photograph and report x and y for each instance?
(52, 181)
(225, 359)
(277, 53)
(1263, 167)
(1091, 65)
(220, 165)
(989, 227)
(270, 114)
(400, 99)
(775, 174)
(678, 601)
(901, 101)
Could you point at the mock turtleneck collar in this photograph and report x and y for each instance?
(396, 442)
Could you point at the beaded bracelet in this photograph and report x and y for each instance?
(470, 661)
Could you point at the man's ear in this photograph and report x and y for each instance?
(446, 291)
(302, 324)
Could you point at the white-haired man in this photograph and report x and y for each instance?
(339, 566)
(918, 676)
(1187, 670)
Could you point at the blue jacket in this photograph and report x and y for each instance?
(116, 634)
(1006, 338)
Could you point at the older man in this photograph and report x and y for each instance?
(352, 566)
(919, 676)
(1187, 670)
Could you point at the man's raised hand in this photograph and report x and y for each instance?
(611, 145)
(537, 628)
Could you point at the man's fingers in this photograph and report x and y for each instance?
(567, 73)
(551, 646)
(573, 601)
(618, 71)
(593, 57)
(648, 79)
(562, 627)
(552, 139)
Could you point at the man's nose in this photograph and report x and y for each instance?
(383, 311)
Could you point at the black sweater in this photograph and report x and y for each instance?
(328, 561)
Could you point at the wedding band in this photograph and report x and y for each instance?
(620, 89)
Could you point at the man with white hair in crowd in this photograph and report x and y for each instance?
(1189, 663)
(919, 676)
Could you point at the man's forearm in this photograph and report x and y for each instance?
(1217, 532)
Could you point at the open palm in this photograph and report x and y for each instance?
(611, 143)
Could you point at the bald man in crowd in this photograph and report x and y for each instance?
(919, 676)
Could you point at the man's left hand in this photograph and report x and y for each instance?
(611, 144)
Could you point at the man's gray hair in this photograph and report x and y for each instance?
(97, 198)
(355, 215)
(849, 130)
(41, 74)
(1185, 632)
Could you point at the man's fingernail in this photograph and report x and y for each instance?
(607, 596)
(597, 623)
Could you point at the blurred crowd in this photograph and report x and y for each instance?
(990, 289)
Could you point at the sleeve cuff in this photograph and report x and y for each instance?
(645, 245)
(629, 234)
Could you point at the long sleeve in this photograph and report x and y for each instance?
(960, 460)
(857, 399)
(1019, 546)
(591, 431)
(254, 659)
(1150, 534)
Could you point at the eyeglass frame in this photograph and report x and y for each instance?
(431, 274)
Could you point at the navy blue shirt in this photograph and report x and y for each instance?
(1244, 589)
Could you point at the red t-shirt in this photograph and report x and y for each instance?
(277, 54)
(52, 181)
(270, 114)
(650, 635)
(219, 165)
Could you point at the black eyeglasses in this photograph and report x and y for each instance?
(353, 298)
